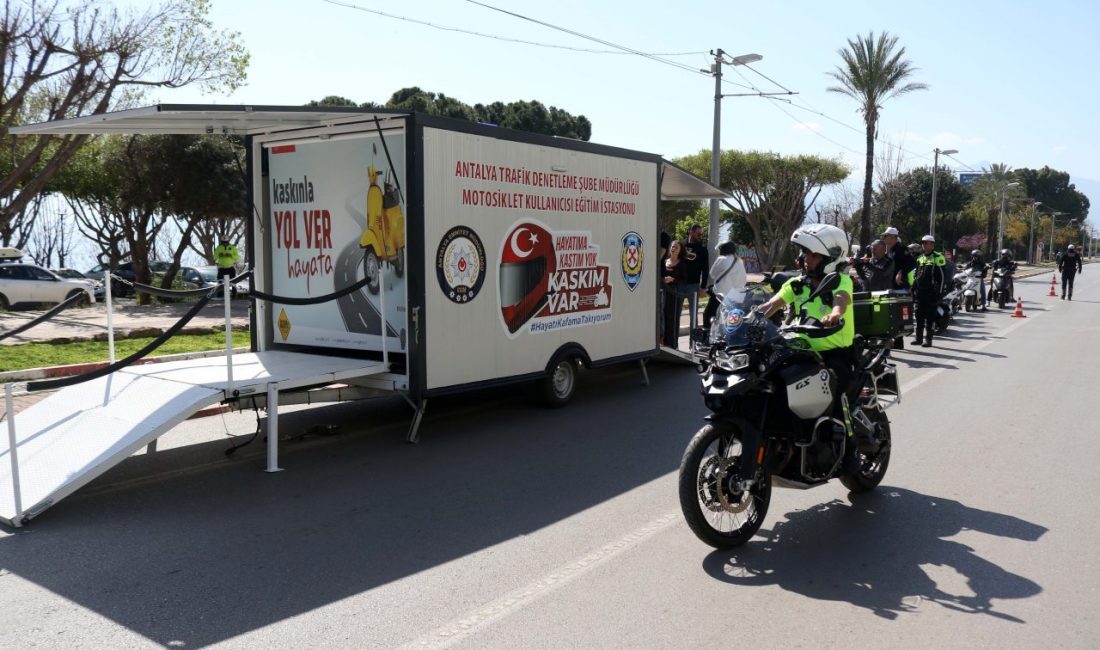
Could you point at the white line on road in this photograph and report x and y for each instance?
(461, 628)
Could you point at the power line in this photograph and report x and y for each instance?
(447, 28)
(594, 39)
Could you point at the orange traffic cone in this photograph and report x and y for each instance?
(1019, 313)
(1052, 294)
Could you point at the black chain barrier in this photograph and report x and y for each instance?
(60, 307)
(288, 300)
(51, 384)
(178, 293)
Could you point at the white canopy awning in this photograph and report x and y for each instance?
(679, 184)
(198, 119)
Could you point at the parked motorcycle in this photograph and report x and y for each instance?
(1001, 291)
(947, 306)
(773, 421)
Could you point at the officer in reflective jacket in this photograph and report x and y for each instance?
(823, 251)
(225, 257)
(928, 283)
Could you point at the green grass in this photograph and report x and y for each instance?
(43, 355)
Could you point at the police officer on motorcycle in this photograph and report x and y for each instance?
(823, 251)
(1006, 262)
(978, 264)
(928, 285)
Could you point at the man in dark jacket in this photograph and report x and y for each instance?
(1069, 266)
(978, 264)
(697, 260)
(903, 261)
(876, 271)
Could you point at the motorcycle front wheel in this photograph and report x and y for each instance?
(715, 509)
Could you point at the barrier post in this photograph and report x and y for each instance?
(228, 337)
(13, 453)
(273, 428)
(110, 318)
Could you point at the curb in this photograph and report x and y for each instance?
(31, 374)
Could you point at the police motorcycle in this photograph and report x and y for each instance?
(948, 305)
(969, 282)
(772, 423)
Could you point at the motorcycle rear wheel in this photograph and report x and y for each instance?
(872, 466)
(718, 513)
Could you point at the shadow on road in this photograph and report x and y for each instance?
(872, 553)
(193, 560)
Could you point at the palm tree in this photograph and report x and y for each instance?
(872, 73)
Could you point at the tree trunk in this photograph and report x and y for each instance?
(865, 214)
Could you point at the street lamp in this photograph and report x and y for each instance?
(935, 169)
(1031, 237)
(1001, 216)
(1053, 218)
(716, 151)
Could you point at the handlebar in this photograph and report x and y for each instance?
(814, 329)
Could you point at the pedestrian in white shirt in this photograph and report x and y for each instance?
(727, 275)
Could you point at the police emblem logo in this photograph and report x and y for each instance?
(632, 259)
(460, 264)
(734, 319)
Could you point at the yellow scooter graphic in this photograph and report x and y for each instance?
(383, 240)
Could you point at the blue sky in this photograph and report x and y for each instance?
(1010, 82)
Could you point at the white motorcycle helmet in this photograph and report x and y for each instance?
(828, 241)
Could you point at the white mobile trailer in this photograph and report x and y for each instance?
(495, 255)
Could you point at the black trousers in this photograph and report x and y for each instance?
(711, 309)
(1067, 280)
(842, 362)
(924, 310)
(674, 306)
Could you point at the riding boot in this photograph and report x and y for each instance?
(919, 338)
(928, 339)
(851, 464)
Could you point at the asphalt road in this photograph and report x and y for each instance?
(510, 526)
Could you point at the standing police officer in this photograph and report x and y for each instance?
(928, 283)
(225, 257)
(1069, 266)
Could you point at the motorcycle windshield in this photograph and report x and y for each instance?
(738, 325)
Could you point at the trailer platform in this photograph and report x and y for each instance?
(66, 440)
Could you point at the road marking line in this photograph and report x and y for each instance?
(978, 348)
(511, 602)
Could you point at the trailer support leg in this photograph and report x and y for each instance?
(414, 428)
(272, 429)
(13, 455)
(645, 373)
(151, 448)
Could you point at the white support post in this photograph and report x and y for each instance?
(228, 338)
(110, 318)
(13, 453)
(382, 309)
(273, 428)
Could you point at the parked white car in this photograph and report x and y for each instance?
(29, 283)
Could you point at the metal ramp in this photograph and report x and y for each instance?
(66, 440)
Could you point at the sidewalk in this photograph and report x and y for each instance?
(129, 319)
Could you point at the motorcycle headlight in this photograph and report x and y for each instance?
(732, 362)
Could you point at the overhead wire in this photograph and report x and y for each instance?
(460, 30)
(657, 57)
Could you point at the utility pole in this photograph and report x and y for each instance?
(716, 144)
(1031, 239)
(716, 147)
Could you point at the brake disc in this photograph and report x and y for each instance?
(719, 500)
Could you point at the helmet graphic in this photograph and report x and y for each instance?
(828, 241)
(526, 264)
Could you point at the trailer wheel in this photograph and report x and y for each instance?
(372, 270)
(560, 385)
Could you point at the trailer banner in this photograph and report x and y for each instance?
(551, 280)
(335, 217)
